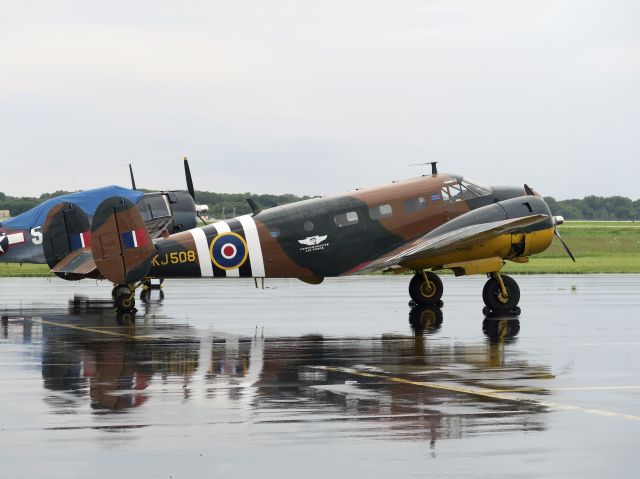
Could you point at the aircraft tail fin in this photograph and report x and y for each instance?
(115, 245)
(66, 233)
(120, 243)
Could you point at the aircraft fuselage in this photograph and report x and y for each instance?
(338, 235)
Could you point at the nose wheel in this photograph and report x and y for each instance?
(501, 293)
(426, 288)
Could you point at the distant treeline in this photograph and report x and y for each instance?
(599, 208)
(17, 205)
(227, 205)
(221, 205)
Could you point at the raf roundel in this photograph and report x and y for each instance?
(229, 251)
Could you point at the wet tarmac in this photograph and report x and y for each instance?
(221, 379)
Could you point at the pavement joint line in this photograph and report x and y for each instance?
(91, 330)
(484, 393)
(577, 388)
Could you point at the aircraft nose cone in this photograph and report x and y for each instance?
(558, 220)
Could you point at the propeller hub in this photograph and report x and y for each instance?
(558, 220)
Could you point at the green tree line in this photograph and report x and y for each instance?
(220, 204)
(226, 205)
(599, 208)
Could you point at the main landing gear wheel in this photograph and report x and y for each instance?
(494, 296)
(123, 298)
(426, 288)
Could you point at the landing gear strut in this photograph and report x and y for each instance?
(124, 298)
(501, 293)
(426, 288)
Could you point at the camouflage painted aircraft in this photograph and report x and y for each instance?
(21, 237)
(434, 222)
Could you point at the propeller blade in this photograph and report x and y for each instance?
(566, 248)
(187, 174)
(133, 180)
(201, 218)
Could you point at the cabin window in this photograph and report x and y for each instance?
(308, 226)
(275, 232)
(414, 204)
(346, 219)
(379, 212)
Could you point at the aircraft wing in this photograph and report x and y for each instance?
(78, 262)
(459, 239)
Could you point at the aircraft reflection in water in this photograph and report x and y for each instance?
(118, 367)
(114, 370)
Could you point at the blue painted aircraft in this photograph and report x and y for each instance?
(164, 212)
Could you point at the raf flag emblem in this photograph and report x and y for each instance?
(80, 240)
(134, 239)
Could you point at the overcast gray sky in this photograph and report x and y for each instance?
(319, 97)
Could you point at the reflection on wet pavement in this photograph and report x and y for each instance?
(93, 355)
(82, 367)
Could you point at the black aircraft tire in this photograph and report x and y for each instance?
(491, 293)
(120, 290)
(125, 303)
(426, 296)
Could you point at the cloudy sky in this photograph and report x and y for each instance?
(319, 97)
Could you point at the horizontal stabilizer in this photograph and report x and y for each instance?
(77, 263)
(66, 230)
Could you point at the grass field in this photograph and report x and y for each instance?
(9, 270)
(599, 247)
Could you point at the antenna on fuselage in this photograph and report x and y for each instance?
(434, 166)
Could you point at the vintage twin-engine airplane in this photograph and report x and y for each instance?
(21, 237)
(434, 222)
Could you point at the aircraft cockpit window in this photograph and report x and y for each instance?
(379, 212)
(452, 193)
(476, 189)
(153, 206)
(346, 219)
(414, 204)
(464, 190)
